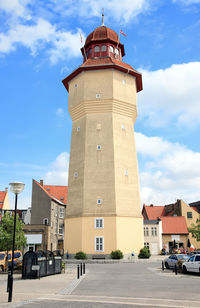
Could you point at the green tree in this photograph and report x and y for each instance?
(6, 233)
(195, 230)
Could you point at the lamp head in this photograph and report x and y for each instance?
(16, 187)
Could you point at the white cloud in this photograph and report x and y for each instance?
(62, 44)
(60, 112)
(187, 2)
(171, 93)
(58, 171)
(122, 11)
(15, 7)
(168, 171)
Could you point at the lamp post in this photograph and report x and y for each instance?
(16, 188)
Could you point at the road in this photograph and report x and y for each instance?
(126, 285)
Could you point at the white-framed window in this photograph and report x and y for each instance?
(96, 49)
(98, 147)
(116, 51)
(61, 214)
(146, 231)
(99, 243)
(111, 49)
(99, 201)
(154, 231)
(78, 129)
(45, 221)
(61, 229)
(99, 223)
(103, 48)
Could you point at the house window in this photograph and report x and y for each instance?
(111, 49)
(61, 212)
(146, 245)
(61, 229)
(56, 227)
(144, 231)
(98, 147)
(99, 243)
(155, 231)
(147, 231)
(56, 211)
(99, 223)
(189, 214)
(103, 48)
(96, 49)
(99, 201)
(45, 221)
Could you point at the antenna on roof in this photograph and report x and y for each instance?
(103, 17)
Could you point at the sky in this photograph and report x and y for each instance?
(40, 45)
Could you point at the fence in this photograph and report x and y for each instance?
(41, 263)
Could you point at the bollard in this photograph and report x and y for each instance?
(78, 273)
(81, 269)
(175, 269)
(163, 266)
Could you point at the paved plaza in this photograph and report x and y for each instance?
(139, 284)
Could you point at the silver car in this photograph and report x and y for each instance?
(192, 265)
(170, 261)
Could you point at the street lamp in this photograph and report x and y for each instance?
(16, 188)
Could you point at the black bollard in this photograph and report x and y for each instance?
(78, 273)
(163, 266)
(175, 269)
(81, 269)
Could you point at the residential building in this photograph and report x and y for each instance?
(48, 208)
(4, 202)
(103, 212)
(153, 235)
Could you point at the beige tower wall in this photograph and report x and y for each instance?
(102, 105)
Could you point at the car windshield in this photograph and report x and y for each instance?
(2, 256)
(197, 258)
(180, 256)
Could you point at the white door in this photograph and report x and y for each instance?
(154, 249)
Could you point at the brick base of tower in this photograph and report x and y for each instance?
(123, 233)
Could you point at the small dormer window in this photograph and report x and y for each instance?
(103, 48)
(111, 49)
(96, 49)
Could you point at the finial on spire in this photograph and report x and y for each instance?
(103, 17)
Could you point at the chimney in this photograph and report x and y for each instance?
(41, 182)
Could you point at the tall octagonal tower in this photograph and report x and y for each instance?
(104, 210)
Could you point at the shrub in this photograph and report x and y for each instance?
(144, 253)
(80, 255)
(117, 254)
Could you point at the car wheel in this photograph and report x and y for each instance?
(184, 270)
(166, 265)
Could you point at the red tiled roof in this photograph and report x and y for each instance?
(55, 192)
(102, 33)
(2, 198)
(153, 212)
(194, 208)
(174, 225)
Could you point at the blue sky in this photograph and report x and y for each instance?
(40, 45)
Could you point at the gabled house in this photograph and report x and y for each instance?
(4, 202)
(176, 219)
(46, 230)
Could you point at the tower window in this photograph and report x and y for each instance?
(116, 51)
(98, 127)
(99, 201)
(99, 243)
(75, 85)
(45, 221)
(90, 51)
(78, 129)
(96, 49)
(98, 147)
(75, 174)
(103, 48)
(124, 81)
(99, 223)
(98, 95)
(126, 172)
(123, 126)
(111, 49)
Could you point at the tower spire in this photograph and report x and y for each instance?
(102, 16)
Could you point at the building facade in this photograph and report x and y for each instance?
(4, 202)
(103, 211)
(48, 208)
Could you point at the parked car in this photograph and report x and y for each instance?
(2, 261)
(170, 261)
(192, 264)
